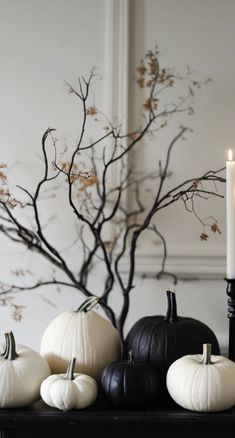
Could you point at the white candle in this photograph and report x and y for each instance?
(230, 213)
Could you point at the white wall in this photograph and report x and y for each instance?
(44, 43)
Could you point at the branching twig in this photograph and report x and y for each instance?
(96, 200)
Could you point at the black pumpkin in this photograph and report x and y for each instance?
(130, 384)
(161, 340)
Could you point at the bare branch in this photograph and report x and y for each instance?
(95, 199)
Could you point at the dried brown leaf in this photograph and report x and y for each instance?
(150, 104)
(91, 180)
(91, 111)
(215, 229)
(141, 82)
(204, 236)
(141, 68)
(3, 176)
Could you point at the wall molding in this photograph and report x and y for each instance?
(117, 75)
(185, 265)
(117, 60)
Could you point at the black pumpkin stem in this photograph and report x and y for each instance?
(206, 355)
(70, 370)
(130, 358)
(88, 304)
(171, 314)
(10, 350)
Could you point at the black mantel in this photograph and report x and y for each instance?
(100, 420)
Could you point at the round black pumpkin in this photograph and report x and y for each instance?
(161, 340)
(131, 384)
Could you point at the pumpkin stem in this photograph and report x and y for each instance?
(88, 304)
(70, 370)
(206, 354)
(130, 358)
(10, 350)
(171, 314)
(6, 349)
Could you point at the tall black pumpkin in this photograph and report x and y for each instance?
(161, 340)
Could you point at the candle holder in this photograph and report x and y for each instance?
(231, 315)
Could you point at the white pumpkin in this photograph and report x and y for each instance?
(202, 383)
(22, 371)
(69, 391)
(82, 334)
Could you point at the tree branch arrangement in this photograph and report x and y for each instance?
(97, 202)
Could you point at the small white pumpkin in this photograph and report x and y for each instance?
(83, 334)
(22, 371)
(202, 383)
(69, 391)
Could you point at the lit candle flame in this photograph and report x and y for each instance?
(230, 155)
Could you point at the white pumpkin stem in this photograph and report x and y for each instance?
(6, 349)
(88, 304)
(171, 314)
(70, 370)
(130, 357)
(10, 350)
(206, 354)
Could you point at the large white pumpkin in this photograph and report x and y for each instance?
(69, 391)
(22, 371)
(202, 383)
(82, 334)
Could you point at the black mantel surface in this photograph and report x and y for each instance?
(100, 420)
